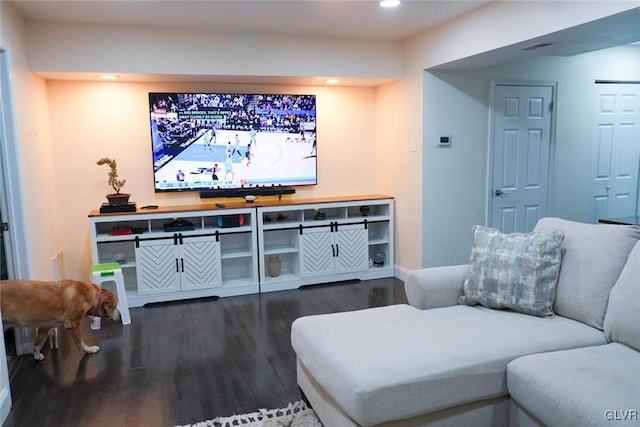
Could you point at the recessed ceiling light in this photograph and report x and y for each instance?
(108, 77)
(390, 3)
(332, 81)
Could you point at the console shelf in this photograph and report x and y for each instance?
(325, 241)
(313, 241)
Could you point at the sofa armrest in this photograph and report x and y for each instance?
(436, 286)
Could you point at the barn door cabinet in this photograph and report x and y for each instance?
(278, 245)
(181, 263)
(326, 241)
(333, 250)
(199, 257)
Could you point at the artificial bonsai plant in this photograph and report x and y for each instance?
(116, 198)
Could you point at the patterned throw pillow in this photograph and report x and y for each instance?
(518, 271)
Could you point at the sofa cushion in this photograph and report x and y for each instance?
(592, 259)
(517, 271)
(622, 321)
(396, 362)
(581, 387)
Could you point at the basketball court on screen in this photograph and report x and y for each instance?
(282, 155)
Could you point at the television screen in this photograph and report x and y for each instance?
(209, 141)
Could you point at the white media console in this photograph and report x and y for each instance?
(278, 245)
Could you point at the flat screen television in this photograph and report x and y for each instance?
(212, 142)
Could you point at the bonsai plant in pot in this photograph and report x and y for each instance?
(116, 198)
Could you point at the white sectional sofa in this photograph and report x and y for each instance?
(590, 386)
(440, 362)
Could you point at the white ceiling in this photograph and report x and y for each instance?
(362, 19)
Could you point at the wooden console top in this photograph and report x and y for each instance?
(242, 204)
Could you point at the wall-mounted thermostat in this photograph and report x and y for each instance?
(443, 140)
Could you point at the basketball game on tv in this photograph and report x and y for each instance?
(208, 141)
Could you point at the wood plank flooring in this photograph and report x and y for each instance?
(181, 362)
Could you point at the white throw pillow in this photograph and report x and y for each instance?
(518, 271)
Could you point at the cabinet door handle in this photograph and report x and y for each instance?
(177, 267)
(337, 250)
(333, 250)
(182, 263)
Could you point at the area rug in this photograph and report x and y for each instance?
(296, 414)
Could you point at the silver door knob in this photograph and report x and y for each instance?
(499, 192)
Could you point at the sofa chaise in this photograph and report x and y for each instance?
(561, 348)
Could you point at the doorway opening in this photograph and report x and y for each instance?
(615, 152)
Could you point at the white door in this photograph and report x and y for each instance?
(317, 252)
(11, 210)
(158, 266)
(336, 249)
(615, 151)
(520, 151)
(200, 265)
(352, 248)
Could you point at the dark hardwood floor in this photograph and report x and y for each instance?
(181, 362)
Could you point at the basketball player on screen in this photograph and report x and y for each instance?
(228, 168)
(253, 137)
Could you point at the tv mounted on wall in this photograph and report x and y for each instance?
(224, 143)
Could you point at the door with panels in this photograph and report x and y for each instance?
(615, 151)
(520, 151)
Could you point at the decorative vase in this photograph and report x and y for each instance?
(120, 257)
(118, 198)
(378, 258)
(274, 265)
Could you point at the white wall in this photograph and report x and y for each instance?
(398, 170)
(440, 194)
(396, 119)
(90, 120)
(505, 23)
(455, 179)
(57, 47)
(36, 169)
(571, 185)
